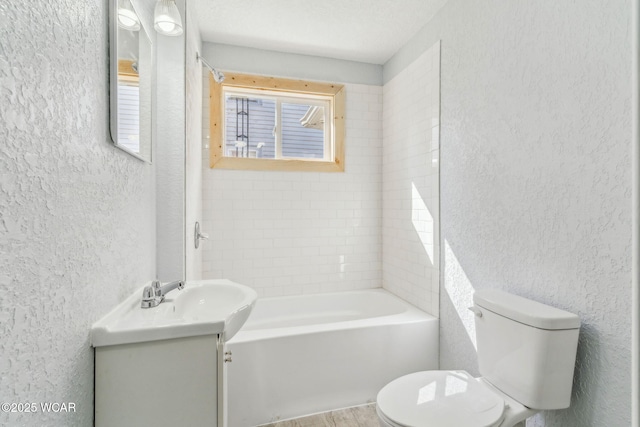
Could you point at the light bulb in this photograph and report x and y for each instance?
(167, 18)
(166, 26)
(127, 17)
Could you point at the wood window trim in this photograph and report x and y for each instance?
(126, 72)
(216, 118)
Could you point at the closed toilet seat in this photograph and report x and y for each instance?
(439, 399)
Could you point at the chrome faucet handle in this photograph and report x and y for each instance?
(153, 295)
(148, 293)
(150, 297)
(155, 285)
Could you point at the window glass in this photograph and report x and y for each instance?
(250, 127)
(129, 116)
(302, 131)
(267, 125)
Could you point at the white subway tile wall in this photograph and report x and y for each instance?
(287, 233)
(410, 201)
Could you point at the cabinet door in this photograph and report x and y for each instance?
(158, 384)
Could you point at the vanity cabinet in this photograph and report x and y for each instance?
(165, 366)
(165, 383)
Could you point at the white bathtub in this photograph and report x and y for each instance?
(306, 354)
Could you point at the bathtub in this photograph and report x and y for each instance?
(301, 355)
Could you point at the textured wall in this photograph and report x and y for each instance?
(77, 215)
(535, 178)
(410, 169)
(286, 233)
(193, 170)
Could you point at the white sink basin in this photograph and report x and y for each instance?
(201, 308)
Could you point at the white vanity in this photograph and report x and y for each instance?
(165, 365)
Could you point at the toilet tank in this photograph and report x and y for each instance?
(525, 348)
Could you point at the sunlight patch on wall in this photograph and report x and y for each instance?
(460, 292)
(422, 222)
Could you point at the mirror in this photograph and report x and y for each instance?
(131, 77)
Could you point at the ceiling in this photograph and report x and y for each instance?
(358, 30)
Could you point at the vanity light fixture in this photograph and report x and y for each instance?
(166, 18)
(218, 76)
(127, 17)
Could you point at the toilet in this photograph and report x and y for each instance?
(526, 356)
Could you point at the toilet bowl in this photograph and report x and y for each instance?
(446, 399)
(526, 356)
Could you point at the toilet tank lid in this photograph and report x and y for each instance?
(525, 311)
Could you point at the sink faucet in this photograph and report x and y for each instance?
(153, 295)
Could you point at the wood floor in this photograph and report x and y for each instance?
(358, 416)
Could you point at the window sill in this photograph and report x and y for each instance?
(277, 165)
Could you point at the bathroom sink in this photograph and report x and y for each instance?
(202, 308)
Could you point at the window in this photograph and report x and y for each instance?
(128, 105)
(269, 125)
(264, 123)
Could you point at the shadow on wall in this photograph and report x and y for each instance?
(580, 409)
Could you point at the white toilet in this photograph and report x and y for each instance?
(526, 354)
